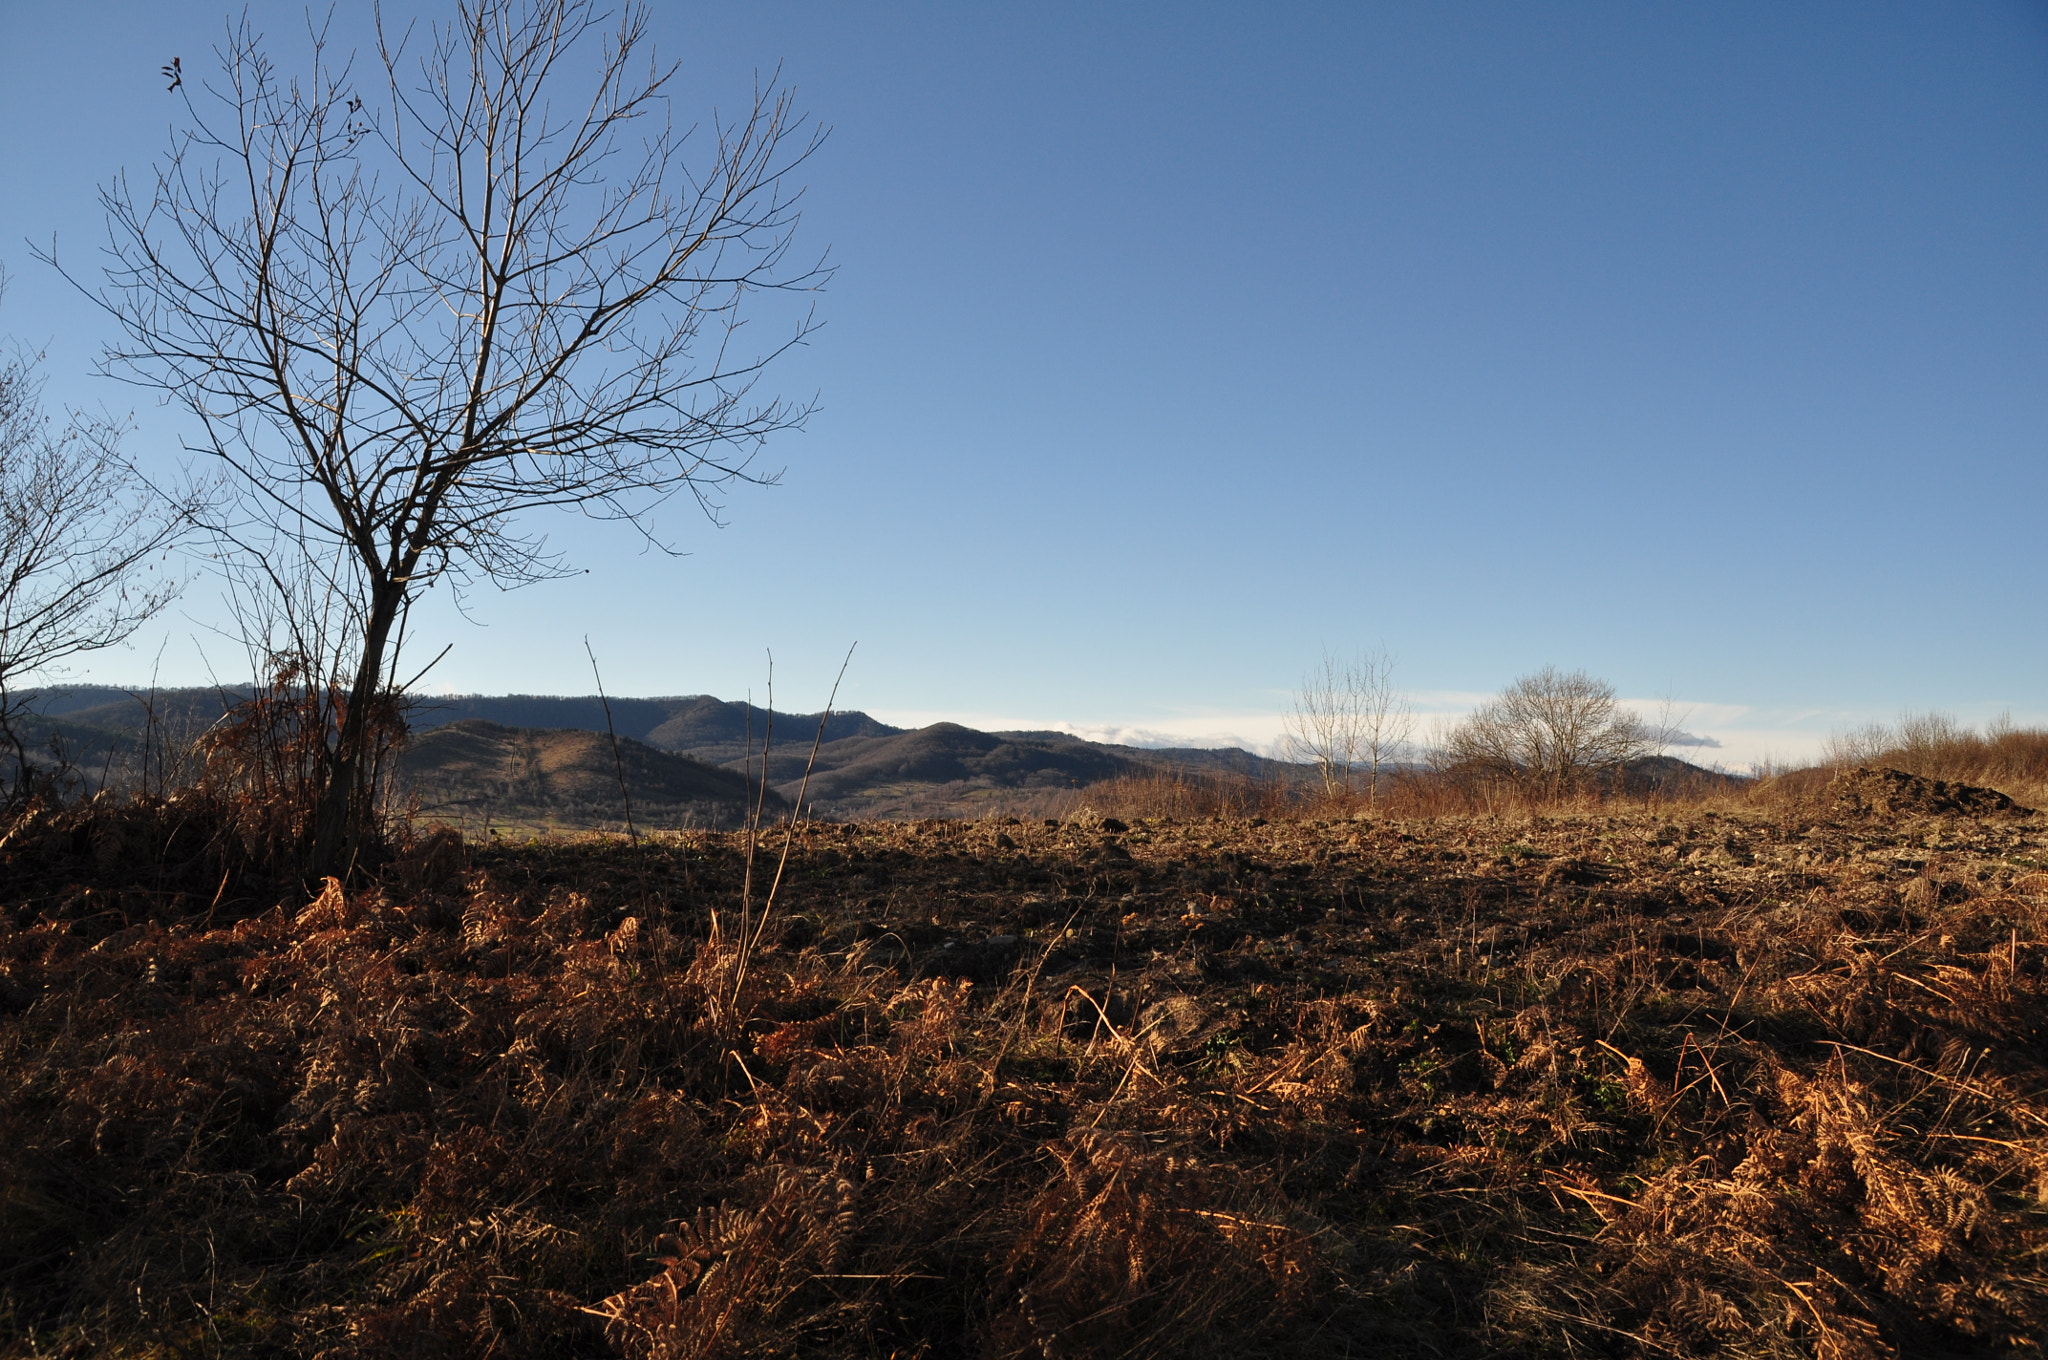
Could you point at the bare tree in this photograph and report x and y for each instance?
(1387, 719)
(1347, 713)
(1322, 728)
(483, 282)
(1549, 732)
(78, 530)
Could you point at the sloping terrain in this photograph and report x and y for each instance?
(482, 776)
(710, 729)
(698, 725)
(123, 711)
(92, 731)
(1756, 1079)
(944, 764)
(946, 770)
(865, 768)
(1671, 777)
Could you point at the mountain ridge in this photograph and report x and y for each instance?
(548, 759)
(863, 767)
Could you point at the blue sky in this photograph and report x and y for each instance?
(1700, 347)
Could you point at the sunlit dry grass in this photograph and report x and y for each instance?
(1736, 1080)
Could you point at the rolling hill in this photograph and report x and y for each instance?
(483, 776)
(531, 760)
(538, 760)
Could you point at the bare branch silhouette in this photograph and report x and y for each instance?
(483, 281)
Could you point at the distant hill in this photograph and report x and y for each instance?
(693, 722)
(864, 767)
(482, 775)
(500, 759)
(535, 760)
(1675, 778)
(710, 729)
(945, 763)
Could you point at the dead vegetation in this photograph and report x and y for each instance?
(1447, 789)
(2002, 756)
(1746, 1080)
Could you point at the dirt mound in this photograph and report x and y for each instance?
(1886, 792)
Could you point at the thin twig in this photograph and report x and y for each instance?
(618, 761)
(795, 815)
(1953, 1083)
(760, 802)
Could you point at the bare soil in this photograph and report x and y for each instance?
(1737, 1080)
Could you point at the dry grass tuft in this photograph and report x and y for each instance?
(1131, 1251)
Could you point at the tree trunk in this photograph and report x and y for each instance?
(338, 822)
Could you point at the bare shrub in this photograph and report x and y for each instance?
(1550, 735)
(1192, 795)
(265, 762)
(1849, 747)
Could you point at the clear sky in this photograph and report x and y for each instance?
(1703, 347)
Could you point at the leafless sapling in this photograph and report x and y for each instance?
(1347, 714)
(83, 542)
